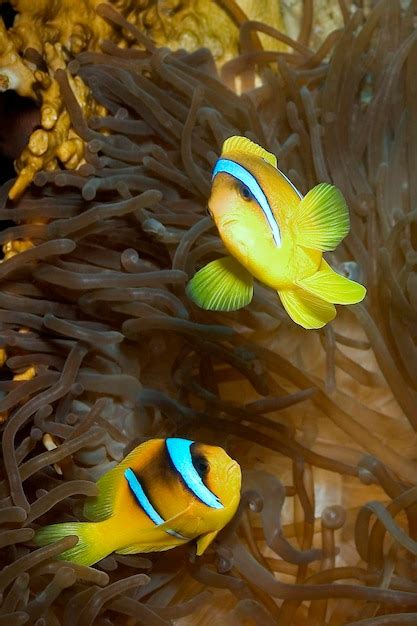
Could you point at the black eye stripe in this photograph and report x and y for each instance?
(245, 192)
(200, 463)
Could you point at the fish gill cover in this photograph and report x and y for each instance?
(102, 349)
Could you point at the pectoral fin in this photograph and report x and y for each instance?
(333, 287)
(222, 285)
(183, 518)
(162, 536)
(205, 540)
(306, 309)
(321, 220)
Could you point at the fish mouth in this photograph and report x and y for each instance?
(228, 221)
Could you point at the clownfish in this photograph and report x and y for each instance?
(276, 235)
(165, 493)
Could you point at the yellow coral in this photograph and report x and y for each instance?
(59, 30)
(15, 73)
(28, 374)
(56, 142)
(11, 248)
(50, 444)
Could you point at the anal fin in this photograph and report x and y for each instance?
(222, 285)
(306, 309)
(333, 287)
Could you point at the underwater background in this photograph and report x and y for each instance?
(115, 114)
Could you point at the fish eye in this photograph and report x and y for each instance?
(245, 192)
(201, 465)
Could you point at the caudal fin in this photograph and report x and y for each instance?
(87, 551)
(306, 309)
(332, 287)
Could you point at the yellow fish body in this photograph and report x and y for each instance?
(275, 235)
(165, 493)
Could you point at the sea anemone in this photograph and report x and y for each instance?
(322, 423)
(37, 38)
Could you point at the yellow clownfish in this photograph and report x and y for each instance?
(165, 493)
(275, 235)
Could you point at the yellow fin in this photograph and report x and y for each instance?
(148, 547)
(205, 540)
(135, 548)
(87, 551)
(178, 517)
(321, 220)
(305, 309)
(333, 287)
(101, 507)
(151, 539)
(243, 144)
(222, 285)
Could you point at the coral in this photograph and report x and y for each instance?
(322, 423)
(47, 34)
(326, 17)
(55, 143)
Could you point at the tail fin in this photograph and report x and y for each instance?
(87, 551)
(332, 287)
(306, 309)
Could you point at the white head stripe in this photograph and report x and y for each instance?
(241, 173)
(179, 451)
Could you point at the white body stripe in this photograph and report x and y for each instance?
(145, 503)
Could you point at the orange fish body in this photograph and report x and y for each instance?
(275, 235)
(165, 493)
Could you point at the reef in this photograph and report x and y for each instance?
(46, 35)
(322, 423)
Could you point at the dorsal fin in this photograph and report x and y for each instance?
(243, 144)
(101, 506)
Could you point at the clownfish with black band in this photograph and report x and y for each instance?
(276, 235)
(165, 493)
